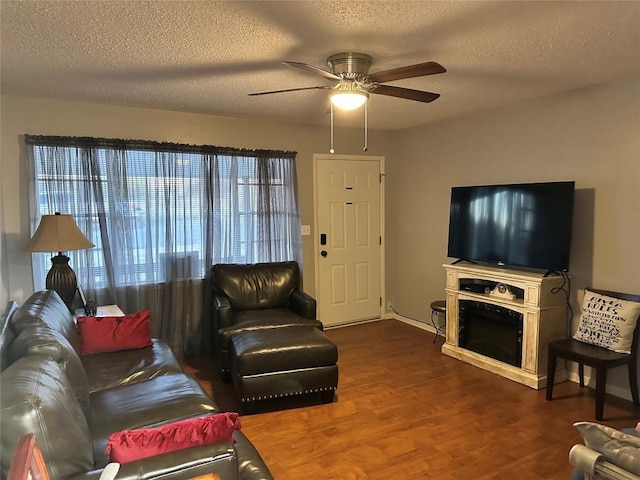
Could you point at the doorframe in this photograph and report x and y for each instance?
(316, 240)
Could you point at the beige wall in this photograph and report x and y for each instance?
(21, 116)
(591, 136)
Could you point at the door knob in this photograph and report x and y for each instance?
(324, 253)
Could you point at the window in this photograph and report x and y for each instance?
(162, 212)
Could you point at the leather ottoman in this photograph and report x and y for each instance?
(282, 362)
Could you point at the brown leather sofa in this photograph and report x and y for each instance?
(256, 297)
(72, 403)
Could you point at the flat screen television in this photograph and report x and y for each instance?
(522, 225)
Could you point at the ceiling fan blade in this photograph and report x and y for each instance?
(287, 90)
(407, 93)
(410, 71)
(312, 69)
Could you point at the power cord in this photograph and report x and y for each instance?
(429, 322)
(407, 316)
(566, 282)
(438, 330)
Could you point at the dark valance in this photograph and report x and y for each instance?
(124, 144)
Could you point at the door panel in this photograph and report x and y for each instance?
(338, 285)
(348, 286)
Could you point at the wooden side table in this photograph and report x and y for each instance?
(103, 311)
(438, 309)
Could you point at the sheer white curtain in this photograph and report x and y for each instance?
(160, 215)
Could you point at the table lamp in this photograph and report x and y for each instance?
(58, 233)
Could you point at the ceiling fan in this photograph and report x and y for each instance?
(354, 82)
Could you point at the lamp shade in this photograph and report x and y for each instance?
(57, 233)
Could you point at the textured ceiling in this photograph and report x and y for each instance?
(206, 56)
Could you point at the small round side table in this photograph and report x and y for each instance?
(438, 309)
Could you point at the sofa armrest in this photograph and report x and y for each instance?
(303, 304)
(594, 465)
(219, 458)
(222, 312)
(251, 466)
(584, 458)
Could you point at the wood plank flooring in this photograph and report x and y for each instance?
(405, 411)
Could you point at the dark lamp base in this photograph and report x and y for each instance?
(62, 279)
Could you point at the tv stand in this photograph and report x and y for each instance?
(534, 296)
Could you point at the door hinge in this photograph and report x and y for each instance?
(380, 301)
(380, 240)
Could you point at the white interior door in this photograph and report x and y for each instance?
(348, 237)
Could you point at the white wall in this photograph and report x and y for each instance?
(591, 136)
(21, 116)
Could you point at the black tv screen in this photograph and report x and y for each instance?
(523, 225)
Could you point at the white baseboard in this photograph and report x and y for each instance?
(410, 321)
(590, 381)
(349, 324)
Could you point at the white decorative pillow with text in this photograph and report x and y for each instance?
(607, 321)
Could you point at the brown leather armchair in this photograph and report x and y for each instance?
(254, 297)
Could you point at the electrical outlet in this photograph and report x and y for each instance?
(305, 230)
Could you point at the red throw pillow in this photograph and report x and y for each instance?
(110, 334)
(130, 445)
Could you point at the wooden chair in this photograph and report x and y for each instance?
(27, 462)
(598, 358)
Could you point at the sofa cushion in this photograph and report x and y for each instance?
(130, 445)
(250, 320)
(36, 397)
(42, 340)
(47, 308)
(256, 286)
(154, 402)
(113, 369)
(278, 350)
(111, 334)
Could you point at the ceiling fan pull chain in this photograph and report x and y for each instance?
(366, 126)
(331, 150)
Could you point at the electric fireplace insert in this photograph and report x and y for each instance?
(491, 330)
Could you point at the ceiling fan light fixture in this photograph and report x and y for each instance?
(349, 100)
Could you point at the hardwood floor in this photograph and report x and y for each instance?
(405, 411)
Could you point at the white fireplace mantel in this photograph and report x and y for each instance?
(543, 305)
